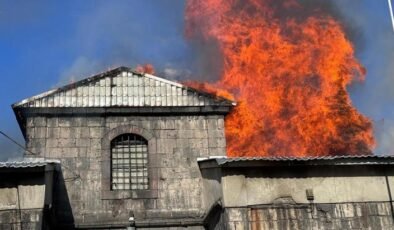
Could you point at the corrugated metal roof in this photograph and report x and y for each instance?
(123, 87)
(28, 163)
(345, 159)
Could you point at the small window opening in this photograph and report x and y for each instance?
(129, 162)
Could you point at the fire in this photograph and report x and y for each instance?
(288, 66)
(146, 68)
(210, 88)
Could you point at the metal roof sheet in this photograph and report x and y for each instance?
(123, 87)
(343, 159)
(28, 163)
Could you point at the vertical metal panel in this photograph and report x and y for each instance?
(151, 92)
(125, 89)
(85, 95)
(158, 95)
(73, 97)
(173, 96)
(201, 100)
(140, 91)
(146, 91)
(37, 103)
(179, 96)
(50, 101)
(61, 99)
(67, 98)
(43, 102)
(168, 95)
(90, 96)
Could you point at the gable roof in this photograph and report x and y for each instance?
(122, 87)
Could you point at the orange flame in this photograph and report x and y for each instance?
(288, 67)
(146, 68)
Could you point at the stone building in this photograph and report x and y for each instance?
(131, 150)
(128, 145)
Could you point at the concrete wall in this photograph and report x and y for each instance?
(329, 185)
(344, 196)
(212, 187)
(21, 201)
(176, 143)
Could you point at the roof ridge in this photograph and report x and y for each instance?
(74, 84)
(115, 71)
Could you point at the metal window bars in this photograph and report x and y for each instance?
(129, 163)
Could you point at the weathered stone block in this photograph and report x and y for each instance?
(212, 124)
(30, 122)
(95, 121)
(198, 143)
(64, 122)
(38, 143)
(95, 143)
(166, 145)
(39, 122)
(66, 143)
(82, 152)
(53, 133)
(217, 151)
(167, 134)
(79, 121)
(170, 123)
(65, 133)
(40, 132)
(70, 152)
(83, 142)
(96, 132)
(52, 122)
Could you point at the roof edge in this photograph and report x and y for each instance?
(293, 161)
(77, 83)
(115, 71)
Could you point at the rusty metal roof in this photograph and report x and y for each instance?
(313, 160)
(28, 163)
(122, 87)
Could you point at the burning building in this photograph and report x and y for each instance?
(125, 149)
(273, 143)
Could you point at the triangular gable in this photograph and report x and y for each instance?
(122, 87)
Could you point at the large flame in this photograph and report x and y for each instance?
(288, 66)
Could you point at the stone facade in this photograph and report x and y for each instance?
(174, 144)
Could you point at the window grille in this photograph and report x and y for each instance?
(129, 162)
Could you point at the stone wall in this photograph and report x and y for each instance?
(367, 215)
(176, 142)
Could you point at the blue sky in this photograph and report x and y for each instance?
(44, 44)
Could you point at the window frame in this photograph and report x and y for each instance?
(152, 191)
(128, 155)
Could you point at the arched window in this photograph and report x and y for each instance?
(129, 162)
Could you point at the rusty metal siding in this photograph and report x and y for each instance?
(126, 89)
